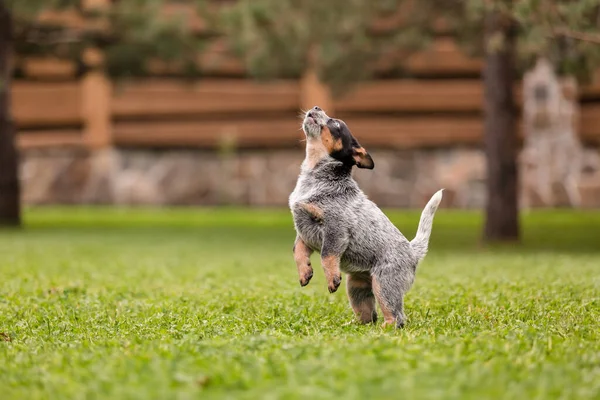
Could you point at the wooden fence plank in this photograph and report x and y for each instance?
(244, 133)
(53, 68)
(422, 95)
(61, 105)
(408, 132)
(377, 132)
(160, 98)
(59, 138)
(46, 104)
(413, 96)
(404, 132)
(590, 122)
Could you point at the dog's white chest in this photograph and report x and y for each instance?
(301, 194)
(310, 230)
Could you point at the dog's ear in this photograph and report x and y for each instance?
(362, 158)
(343, 146)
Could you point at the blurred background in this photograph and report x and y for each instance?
(196, 103)
(148, 149)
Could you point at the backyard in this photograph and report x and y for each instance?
(181, 303)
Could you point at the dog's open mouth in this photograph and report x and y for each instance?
(313, 121)
(311, 126)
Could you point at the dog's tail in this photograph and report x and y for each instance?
(421, 241)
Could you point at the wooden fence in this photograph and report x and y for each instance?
(441, 107)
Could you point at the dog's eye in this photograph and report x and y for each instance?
(337, 124)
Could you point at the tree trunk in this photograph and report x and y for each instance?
(500, 134)
(10, 211)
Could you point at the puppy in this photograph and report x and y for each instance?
(334, 217)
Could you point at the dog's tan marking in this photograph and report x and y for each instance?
(331, 266)
(315, 211)
(317, 148)
(302, 255)
(362, 158)
(363, 307)
(388, 316)
(331, 144)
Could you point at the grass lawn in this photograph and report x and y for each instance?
(182, 304)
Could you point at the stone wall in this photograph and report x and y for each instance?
(256, 178)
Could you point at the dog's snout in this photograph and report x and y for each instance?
(314, 112)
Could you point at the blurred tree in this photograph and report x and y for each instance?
(335, 41)
(511, 35)
(10, 213)
(129, 34)
(500, 130)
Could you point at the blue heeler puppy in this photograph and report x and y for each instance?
(335, 218)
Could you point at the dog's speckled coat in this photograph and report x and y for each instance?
(335, 218)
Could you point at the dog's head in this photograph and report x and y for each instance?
(327, 136)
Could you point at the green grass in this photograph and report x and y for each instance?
(182, 304)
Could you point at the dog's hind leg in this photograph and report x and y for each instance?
(362, 299)
(389, 289)
(302, 255)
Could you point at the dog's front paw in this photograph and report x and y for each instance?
(395, 323)
(388, 325)
(306, 276)
(334, 284)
